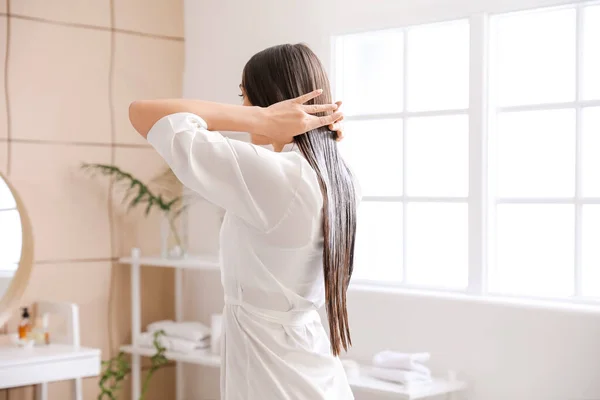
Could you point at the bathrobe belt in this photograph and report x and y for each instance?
(289, 318)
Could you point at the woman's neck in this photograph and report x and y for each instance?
(278, 147)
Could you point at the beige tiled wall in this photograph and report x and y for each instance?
(142, 68)
(73, 67)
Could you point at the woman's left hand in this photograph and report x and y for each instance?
(286, 119)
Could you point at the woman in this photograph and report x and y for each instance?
(287, 240)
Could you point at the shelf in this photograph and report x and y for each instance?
(199, 357)
(365, 383)
(55, 362)
(193, 262)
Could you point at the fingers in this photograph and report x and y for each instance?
(338, 120)
(314, 122)
(329, 119)
(336, 127)
(317, 108)
(338, 104)
(308, 96)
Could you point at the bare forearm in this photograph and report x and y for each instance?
(219, 117)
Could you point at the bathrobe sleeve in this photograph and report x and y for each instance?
(253, 183)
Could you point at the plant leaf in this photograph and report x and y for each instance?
(135, 192)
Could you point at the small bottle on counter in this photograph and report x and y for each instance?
(25, 324)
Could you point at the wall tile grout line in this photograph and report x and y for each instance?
(6, 97)
(149, 35)
(113, 139)
(93, 27)
(69, 143)
(113, 128)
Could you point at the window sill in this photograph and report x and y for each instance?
(562, 305)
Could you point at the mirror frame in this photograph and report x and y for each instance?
(10, 301)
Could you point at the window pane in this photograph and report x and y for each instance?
(378, 250)
(372, 69)
(437, 156)
(534, 250)
(436, 247)
(536, 153)
(10, 236)
(535, 57)
(374, 151)
(590, 180)
(438, 66)
(591, 54)
(590, 282)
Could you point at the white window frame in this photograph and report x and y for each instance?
(577, 200)
(404, 115)
(481, 204)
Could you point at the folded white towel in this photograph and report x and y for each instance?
(194, 331)
(146, 339)
(398, 375)
(405, 361)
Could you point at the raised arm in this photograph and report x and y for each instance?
(281, 121)
(252, 183)
(144, 114)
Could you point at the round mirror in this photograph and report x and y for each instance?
(16, 255)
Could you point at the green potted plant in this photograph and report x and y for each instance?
(138, 194)
(115, 370)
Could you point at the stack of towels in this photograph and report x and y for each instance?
(180, 337)
(404, 368)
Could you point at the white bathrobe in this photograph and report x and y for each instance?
(275, 346)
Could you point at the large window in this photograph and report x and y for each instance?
(477, 146)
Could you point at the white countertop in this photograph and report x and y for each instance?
(47, 363)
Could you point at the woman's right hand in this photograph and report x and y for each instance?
(286, 119)
(338, 125)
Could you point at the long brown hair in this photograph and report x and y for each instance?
(285, 72)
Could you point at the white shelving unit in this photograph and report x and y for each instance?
(136, 261)
(200, 263)
(199, 357)
(206, 358)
